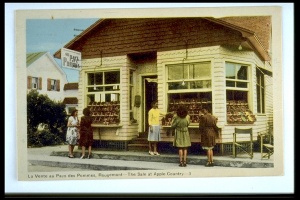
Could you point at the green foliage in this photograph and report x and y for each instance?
(41, 109)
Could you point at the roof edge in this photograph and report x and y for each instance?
(57, 54)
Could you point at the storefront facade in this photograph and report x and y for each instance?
(197, 62)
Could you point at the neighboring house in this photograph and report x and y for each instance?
(45, 75)
(223, 65)
(70, 100)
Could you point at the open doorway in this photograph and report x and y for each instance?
(150, 95)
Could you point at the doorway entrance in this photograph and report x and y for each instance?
(150, 95)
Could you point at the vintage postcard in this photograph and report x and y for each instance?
(227, 61)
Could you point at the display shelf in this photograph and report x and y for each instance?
(107, 126)
(190, 126)
(238, 112)
(193, 105)
(105, 113)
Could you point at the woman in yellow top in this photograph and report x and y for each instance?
(154, 128)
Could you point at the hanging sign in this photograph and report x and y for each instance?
(70, 58)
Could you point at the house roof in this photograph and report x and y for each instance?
(260, 25)
(251, 38)
(256, 34)
(32, 57)
(71, 86)
(70, 100)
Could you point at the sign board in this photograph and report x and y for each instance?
(70, 58)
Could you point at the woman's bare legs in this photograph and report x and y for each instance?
(71, 149)
(180, 152)
(184, 156)
(90, 151)
(82, 152)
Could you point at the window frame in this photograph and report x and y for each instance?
(101, 88)
(237, 80)
(185, 83)
(37, 83)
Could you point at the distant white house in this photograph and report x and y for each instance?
(70, 100)
(45, 75)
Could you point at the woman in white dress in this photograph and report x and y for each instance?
(72, 132)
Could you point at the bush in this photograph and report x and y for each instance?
(41, 109)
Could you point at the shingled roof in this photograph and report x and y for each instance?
(71, 86)
(70, 100)
(255, 29)
(261, 25)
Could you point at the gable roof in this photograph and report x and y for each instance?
(250, 33)
(32, 57)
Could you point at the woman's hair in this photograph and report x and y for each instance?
(73, 112)
(153, 103)
(182, 112)
(86, 112)
(204, 111)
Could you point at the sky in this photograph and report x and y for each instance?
(51, 35)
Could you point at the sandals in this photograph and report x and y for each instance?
(182, 164)
(209, 164)
(70, 156)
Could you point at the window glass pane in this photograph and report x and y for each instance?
(178, 85)
(230, 83)
(199, 70)
(99, 78)
(242, 72)
(241, 85)
(200, 84)
(177, 72)
(230, 70)
(258, 99)
(109, 88)
(95, 89)
(112, 77)
(34, 82)
(91, 79)
(236, 95)
(112, 97)
(95, 76)
(90, 98)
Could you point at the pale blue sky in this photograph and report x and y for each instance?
(51, 35)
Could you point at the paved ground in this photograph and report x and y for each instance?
(54, 158)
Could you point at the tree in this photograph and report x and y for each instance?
(41, 109)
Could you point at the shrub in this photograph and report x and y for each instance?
(41, 109)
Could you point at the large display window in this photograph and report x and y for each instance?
(237, 89)
(189, 85)
(103, 97)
